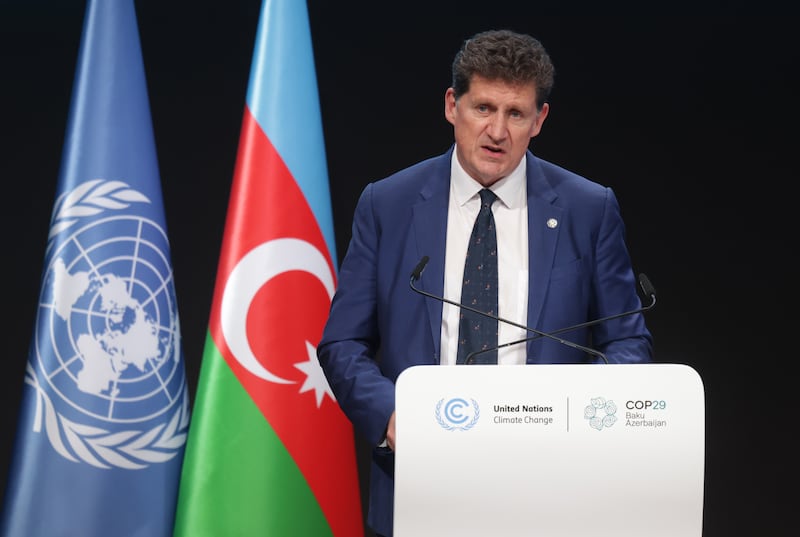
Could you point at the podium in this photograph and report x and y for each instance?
(612, 450)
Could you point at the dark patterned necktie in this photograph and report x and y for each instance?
(479, 288)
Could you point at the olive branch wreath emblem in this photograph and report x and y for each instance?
(132, 449)
(448, 426)
(104, 449)
(91, 198)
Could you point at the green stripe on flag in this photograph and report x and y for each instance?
(238, 479)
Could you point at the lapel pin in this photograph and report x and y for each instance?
(552, 223)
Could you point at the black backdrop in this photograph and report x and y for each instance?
(690, 119)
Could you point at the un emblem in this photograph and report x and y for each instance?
(106, 362)
(457, 414)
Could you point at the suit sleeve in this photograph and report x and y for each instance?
(623, 340)
(348, 349)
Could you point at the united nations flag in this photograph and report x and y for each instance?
(105, 407)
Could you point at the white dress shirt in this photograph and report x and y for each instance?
(511, 223)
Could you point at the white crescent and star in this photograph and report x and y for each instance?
(255, 269)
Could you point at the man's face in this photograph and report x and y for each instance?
(493, 124)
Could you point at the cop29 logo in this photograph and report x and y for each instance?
(600, 413)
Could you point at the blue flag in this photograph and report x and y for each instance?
(105, 406)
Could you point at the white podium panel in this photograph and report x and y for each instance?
(550, 450)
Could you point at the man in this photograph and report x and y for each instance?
(560, 253)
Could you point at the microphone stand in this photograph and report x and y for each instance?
(473, 354)
(417, 272)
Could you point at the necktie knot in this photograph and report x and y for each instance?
(487, 198)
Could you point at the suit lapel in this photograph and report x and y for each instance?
(430, 230)
(544, 219)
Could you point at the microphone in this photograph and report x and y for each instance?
(417, 272)
(647, 289)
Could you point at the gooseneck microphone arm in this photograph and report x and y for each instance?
(417, 272)
(647, 289)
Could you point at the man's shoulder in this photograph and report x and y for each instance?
(427, 173)
(423, 167)
(563, 180)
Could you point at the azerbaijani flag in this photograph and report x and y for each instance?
(269, 450)
(105, 406)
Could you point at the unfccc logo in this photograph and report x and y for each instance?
(457, 414)
(600, 413)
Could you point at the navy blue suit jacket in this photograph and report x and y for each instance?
(378, 326)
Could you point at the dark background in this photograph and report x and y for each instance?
(691, 119)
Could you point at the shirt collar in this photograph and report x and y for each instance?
(510, 190)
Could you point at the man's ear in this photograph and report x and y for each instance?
(536, 128)
(450, 105)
